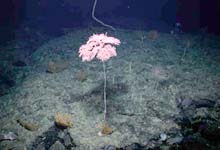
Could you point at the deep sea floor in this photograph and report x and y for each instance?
(163, 92)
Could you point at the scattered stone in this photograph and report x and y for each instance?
(134, 146)
(47, 139)
(51, 140)
(8, 136)
(57, 146)
(28, 125)
(186, 103)
(200, 125)
(204, 103)
(67, 140)
(109, 147)
(175, 140)
(61, 135)
(163, 137)
(200, 113)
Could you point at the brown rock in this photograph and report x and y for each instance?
(28, 125)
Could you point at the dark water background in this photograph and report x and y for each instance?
(53, 15)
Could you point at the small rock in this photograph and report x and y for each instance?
(201, 113)
(46, 139)
(67, 140)
(109, 147)
(163, 137)
(186, 103)
(8, 136)
(28, 125)
(134, 146)
(175, 140)
(61, 135)
(57, 146)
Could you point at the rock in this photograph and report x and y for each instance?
(175, 140)
(163, 137)
(57, 146)
(186, 103)
(28, 125)
(67, 140)
(39, 146)
(205, 103)
(61, 135)
(109, 147)
(163, 147)
(134, 146)
(8, 136)
(46, 139)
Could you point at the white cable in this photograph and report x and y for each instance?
(97, 20)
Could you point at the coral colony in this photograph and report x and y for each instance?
(103, 48)
(100, 46)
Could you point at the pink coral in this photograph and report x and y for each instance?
(100, 46)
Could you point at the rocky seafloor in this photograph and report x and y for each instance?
(163, 92)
